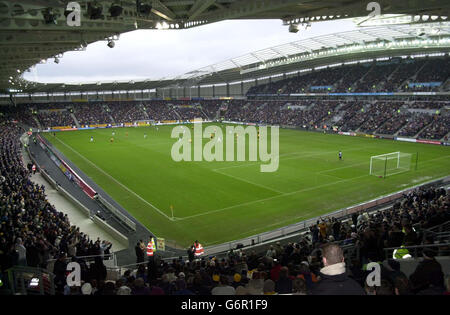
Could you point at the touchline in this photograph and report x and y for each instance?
(218, 144)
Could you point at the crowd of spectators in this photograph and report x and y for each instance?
(211, 107)
(379, 113)
(428, 104)
(32, 231)
(59, 118)
(371, 116)
(160, 111)
(354, 116)
(92, 114)
(435, 70)
(123, 112)
(381, 76)
(416, 122)
(406, 70)
(22, 113)
(438, 128)
(313, 265)
(350, 75)
(188, 113)
(377, 76)
(393, 125)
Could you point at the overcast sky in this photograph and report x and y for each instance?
(155, 54)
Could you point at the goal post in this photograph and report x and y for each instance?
(390, 164)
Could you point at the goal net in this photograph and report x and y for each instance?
(390, 164)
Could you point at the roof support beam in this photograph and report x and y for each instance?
(162, 11)
(199, 7)
(307, 49)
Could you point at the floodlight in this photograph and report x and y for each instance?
(49, 16)
(95, 11)
(293, 28)
(115, 10)
(143, 8)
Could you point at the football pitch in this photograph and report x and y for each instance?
(216, 202)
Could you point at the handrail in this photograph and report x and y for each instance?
(111, 255)
(439, 229)
(415, 248)
(300, 226)
(418, 246)
(17, 281)
(128, 222)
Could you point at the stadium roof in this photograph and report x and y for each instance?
(365, 43)
(259, 60)
(35, 30)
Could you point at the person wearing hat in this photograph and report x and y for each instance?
(216, 278)
(86, 289)
(123, 290)
(269, 287)
(223, 288)
(236, 280)
(428, 274)
(240, 290)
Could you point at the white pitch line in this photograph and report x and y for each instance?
(115, 180)
(290, 158)
(249, 182)
(340, 168)
(269, 198)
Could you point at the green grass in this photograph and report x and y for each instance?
(217, 202)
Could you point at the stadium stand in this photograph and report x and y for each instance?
(250, 272)
(55, 119)
(405, 117)
(393, 76)
(24, 208)
(92, 114)
(32, 231)
(126, 112)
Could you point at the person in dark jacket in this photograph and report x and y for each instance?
(283, 285)
(333, 277)
(191, 252)
(59, 270)
(98, 270)
(428, 273)
(140, 255)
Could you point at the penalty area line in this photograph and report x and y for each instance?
(270, 198)
(249, 182)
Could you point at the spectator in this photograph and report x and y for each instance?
(269, 287)
(299, 286)
(284, 283)
(333, 277)
(139, 287)
(401, 285)
(140, 255)
(22, 252)
(428, 275)
(385, 288)
(223, 288)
